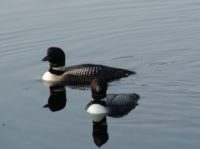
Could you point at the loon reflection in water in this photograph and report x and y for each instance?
(117, 105)
(100, 133)
(57, 99)
(103, 105)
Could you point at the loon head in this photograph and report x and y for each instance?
(98, 89)
(57, 99)
(55, 56)
(97, 108)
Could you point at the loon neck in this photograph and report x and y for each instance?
(57, 88)
(101, 101)
(57, 70)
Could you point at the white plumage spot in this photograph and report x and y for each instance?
(81, 72)
(74, 72)
(84, 71)
(77, 71)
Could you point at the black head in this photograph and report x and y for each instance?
(57, 99)
(100, 133)
(98, 88)
(55, 56)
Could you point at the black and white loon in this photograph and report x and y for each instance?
(114, 105)
(82, 74)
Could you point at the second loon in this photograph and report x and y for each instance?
(82, 74)
(113, 105)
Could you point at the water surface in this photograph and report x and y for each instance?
(157, 39)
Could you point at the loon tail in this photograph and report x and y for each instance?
(135, 96)
(129, 72)
(120, 73)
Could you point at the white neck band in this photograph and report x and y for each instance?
(62, 68)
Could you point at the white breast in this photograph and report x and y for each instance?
(97, 112)
(50, 77)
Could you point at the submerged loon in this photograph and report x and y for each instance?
(82, 74)
(113, 105)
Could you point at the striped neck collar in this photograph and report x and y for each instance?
(57, 70)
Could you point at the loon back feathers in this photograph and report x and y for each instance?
(128, 100)
(119, 105)
(97, 71)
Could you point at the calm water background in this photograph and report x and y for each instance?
(158, 39)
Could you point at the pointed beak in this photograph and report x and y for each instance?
(45, 58)
(46, 106)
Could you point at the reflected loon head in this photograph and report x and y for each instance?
(97, 108)
(117, 105)
(98, 89)
(57, 99)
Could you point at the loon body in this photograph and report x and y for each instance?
(78, 74)
(115, 105)
(119, 105)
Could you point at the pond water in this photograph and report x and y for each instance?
(157, 39)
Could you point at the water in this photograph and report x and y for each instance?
(158, 39)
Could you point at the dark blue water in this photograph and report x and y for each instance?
(157, 39)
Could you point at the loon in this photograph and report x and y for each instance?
(100, 132)
(57, 99)
(78, 74)
(113, 105)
